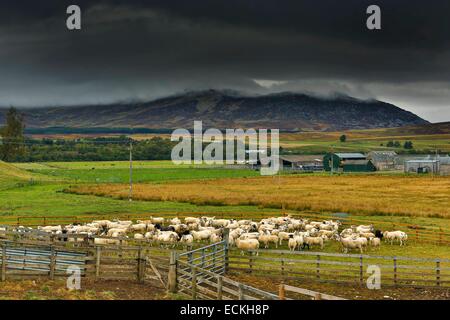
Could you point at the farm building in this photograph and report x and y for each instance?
(348, 162)
(422, 166)
(301, 162)
(383, 160)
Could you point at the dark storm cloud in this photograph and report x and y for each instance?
(134, 50)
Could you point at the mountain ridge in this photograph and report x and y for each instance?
(229, 109)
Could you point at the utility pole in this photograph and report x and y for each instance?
(130, 195)
(332, 160)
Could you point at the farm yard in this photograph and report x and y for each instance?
(38, 194)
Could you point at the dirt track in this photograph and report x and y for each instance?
(90, 290)
(355, 292)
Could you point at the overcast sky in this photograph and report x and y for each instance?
(140, 50)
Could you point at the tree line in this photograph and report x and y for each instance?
(16, 147)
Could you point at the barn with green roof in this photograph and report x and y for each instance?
(347, 162)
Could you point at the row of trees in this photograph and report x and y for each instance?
(15, 147)
(397, 144)
(391, 144)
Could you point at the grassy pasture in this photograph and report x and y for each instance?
(119, 172)
(360, 141)
(359, 194)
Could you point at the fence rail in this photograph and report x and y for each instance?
(314, 294)
(343, 268)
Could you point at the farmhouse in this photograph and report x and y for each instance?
(422, 166)
(348, 162)
(383, 160)
(301, 162)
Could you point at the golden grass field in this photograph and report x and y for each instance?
(422, 196)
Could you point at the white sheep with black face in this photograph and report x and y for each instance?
(313, 241)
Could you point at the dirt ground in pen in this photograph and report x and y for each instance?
(353, 292)
(90, 290)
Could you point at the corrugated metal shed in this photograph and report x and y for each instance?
(351, 155)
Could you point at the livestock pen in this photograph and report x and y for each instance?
(395, 271)
(30, 259)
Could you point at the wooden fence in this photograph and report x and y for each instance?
(305, 292)
(25, 259)
(417, 233)
(343, 268)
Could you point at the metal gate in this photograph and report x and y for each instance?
(200, 274)
(213, 258)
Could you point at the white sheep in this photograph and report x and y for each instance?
(157, 220)
(267, 238)
(139, 227)
(375, 242)
(247, 244)
(292, 243)
(214, 238)
(189, 220)
(350, 243)
(201, 235)
(391, 236)
(284, 236)
(312, 241)
(187, 239)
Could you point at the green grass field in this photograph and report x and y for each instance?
(36, 189)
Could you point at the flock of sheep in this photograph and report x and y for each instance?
(244, 234)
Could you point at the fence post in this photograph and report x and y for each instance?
(172, 277)
(214, 258)
(190, 258)
(250, 261)
(395, 270)
(226, 236)
(4, 262)
(203, 258)
(438, 272)
(97, 261)
(194, 283)
(52, 263)
(318, 267)
(281, 292)
(140, 265)
(440, 236)
(219, 287)
(361, 269)
(241, 292)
